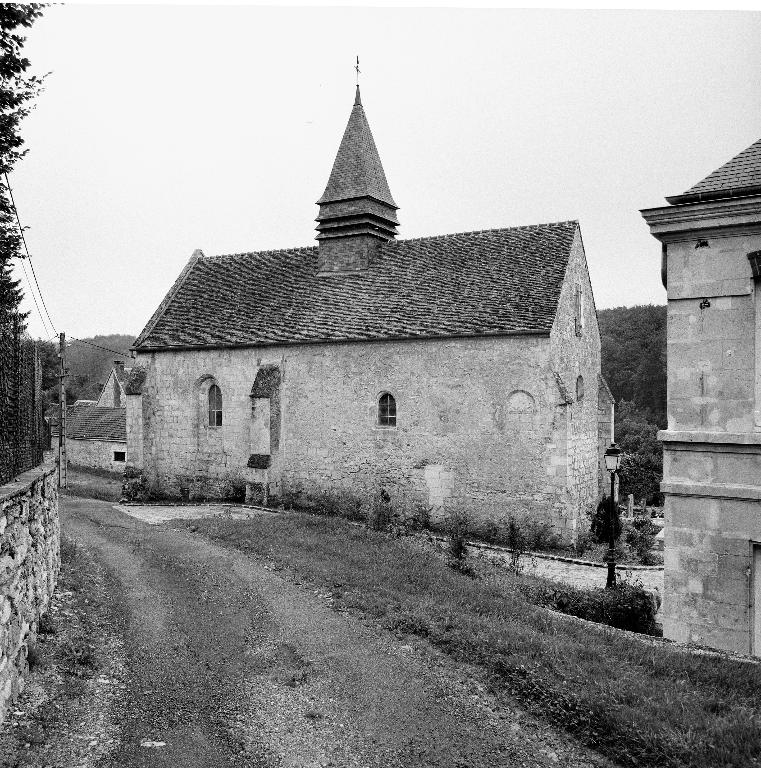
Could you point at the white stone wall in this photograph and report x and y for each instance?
(572, 356)
(98, 454)
(482, 425)
(29, 563)
(712, 447)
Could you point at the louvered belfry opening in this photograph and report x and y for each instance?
(357, 213)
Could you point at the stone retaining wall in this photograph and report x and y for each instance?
(29, 563)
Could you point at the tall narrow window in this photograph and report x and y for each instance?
(580, 388)
(579, 310)
(386, 410)
(215, 406)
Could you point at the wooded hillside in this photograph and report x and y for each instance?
(89, 366)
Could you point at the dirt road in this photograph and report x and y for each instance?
(218, 659)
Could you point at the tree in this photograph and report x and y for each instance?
(642, 463)
(17, 91)
(634, 357)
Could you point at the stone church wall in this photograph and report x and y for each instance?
(482, 425)
(575, 356)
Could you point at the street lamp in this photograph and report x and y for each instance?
(612, 463)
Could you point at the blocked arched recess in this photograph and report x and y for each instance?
(520, 401)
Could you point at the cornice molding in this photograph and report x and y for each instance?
(674, 222)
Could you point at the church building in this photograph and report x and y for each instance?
(460, 371)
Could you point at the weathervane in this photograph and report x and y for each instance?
(358, 69)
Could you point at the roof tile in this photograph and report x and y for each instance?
(489, 282)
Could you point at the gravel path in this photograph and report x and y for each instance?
(228, 661)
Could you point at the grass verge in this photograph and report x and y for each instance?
(636, 703)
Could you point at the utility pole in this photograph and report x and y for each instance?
(62, 459)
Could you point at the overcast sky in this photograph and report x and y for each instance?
(168, 128)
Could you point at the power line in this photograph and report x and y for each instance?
(26, 249)
(108, 349)
(29, 283)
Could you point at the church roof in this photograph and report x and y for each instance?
(492, 282)
(357, 169)
(739, 177)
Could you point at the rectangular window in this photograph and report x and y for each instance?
(120, 456)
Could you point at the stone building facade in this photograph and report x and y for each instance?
(458, 372)
(96, 436)
(711, 268)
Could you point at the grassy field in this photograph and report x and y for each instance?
(638, 703)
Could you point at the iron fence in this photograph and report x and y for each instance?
(22, 427)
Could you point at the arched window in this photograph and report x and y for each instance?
(386, 410)
(580, 388)
(215, 406)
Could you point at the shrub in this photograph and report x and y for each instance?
(626, 606)
(640, 536)
(600, 526)
(380, 511)
(458, 532)
(517, 542)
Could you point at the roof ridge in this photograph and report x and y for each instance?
(296, 249)
(483, 231)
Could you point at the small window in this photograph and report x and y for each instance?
(215, 406)
(120, 456)
(386, 410)
(578, 311)
(580, 388)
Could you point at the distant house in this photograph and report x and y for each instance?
(112, 394)
(96, 436)
(96, 429)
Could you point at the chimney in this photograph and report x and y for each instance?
(119, 365)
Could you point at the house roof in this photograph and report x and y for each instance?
(739, 177)
(357, 169)
(492, 282)
(95, 422)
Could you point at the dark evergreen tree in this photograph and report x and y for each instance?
(17, 92)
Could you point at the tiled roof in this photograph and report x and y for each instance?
(95, 422)
(497, 281)
(742, 172)
(357, 170)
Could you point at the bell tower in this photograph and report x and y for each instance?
(357, 213)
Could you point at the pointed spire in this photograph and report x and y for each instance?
(357, 211)
(357, 169)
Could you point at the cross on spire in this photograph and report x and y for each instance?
(356, 66)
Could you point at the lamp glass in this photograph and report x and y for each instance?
(613, 458)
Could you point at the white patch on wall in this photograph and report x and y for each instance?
(520, 401)
(440, 482)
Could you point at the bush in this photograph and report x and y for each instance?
(600, 526)
(625, 606)
(458, 532)
(380, 513)
(640, 536)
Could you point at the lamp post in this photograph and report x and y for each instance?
(612, 463)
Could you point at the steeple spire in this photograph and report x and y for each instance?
(357, 212)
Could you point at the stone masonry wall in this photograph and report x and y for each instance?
(482, 424)
(712, 448)
(29, 563)
(576, 359)
(95, 453)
